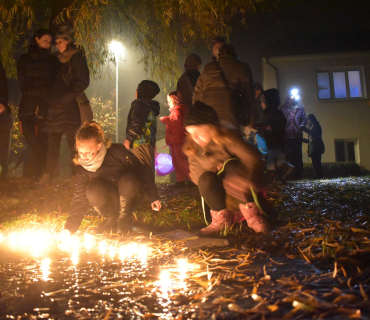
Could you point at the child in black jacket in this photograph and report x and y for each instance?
(141, 128)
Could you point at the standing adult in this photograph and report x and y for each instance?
(227, 86)
(316, 146)
(296, 120)
(71, 79)
(187, 81)
(217, 43)
(6, 124)
(35, 70)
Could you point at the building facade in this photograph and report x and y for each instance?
(334, 88)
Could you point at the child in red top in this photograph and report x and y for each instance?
(175, 136)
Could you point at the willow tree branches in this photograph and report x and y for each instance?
(160, 30)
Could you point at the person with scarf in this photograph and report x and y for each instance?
(227, 171)
(35, 75)
(111, 179)
(316, 145)
(72, 77)
(175, 137)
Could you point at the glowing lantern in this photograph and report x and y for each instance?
(163, 164)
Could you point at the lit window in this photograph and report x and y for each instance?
(339, 84)
(323, 83)
(340, 89)
(354, 84)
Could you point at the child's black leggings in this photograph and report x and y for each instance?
(213, 187)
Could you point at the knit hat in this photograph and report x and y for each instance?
(65, 33)
(199, 114)
(272, 98)
(218, 39)
(192, 61)
(147, 89)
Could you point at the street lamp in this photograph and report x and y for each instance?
(118, 50)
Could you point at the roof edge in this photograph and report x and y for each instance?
(321, 56)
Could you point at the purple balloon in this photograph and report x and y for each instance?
(163, 164)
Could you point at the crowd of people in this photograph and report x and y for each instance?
(224, 134)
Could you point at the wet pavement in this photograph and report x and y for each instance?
(146, 278)
(313, 265)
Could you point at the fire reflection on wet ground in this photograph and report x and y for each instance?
(90, 277)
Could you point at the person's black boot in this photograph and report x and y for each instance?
(109, 223)
(124, 221)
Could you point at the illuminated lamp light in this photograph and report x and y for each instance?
(163, 164)
(294, 94)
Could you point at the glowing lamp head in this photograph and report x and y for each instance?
(117, 49)
(294, 94)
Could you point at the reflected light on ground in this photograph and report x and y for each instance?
(45, 268)
(143, 253)
(103, 247)
(88, 241)
(164, 281)
(75, 258)
(112, 252)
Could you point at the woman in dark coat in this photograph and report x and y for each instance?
(35, 72)
(110, 178)
(72, 77)
(188, 80)
(227, 86)
(316, 146)
(6, 124)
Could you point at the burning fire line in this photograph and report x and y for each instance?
(40, 243)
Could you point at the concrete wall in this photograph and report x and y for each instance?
(340, 119)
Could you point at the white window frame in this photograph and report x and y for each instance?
(356, 149)
(331, 83)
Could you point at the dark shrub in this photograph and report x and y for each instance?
(334, 170)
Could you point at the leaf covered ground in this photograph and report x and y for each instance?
(314, 264)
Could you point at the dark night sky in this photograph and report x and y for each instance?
(313, 26)
(303, 27)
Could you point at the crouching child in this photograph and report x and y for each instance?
(222, 165)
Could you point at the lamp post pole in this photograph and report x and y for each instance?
(116, 55)
(117, 49)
